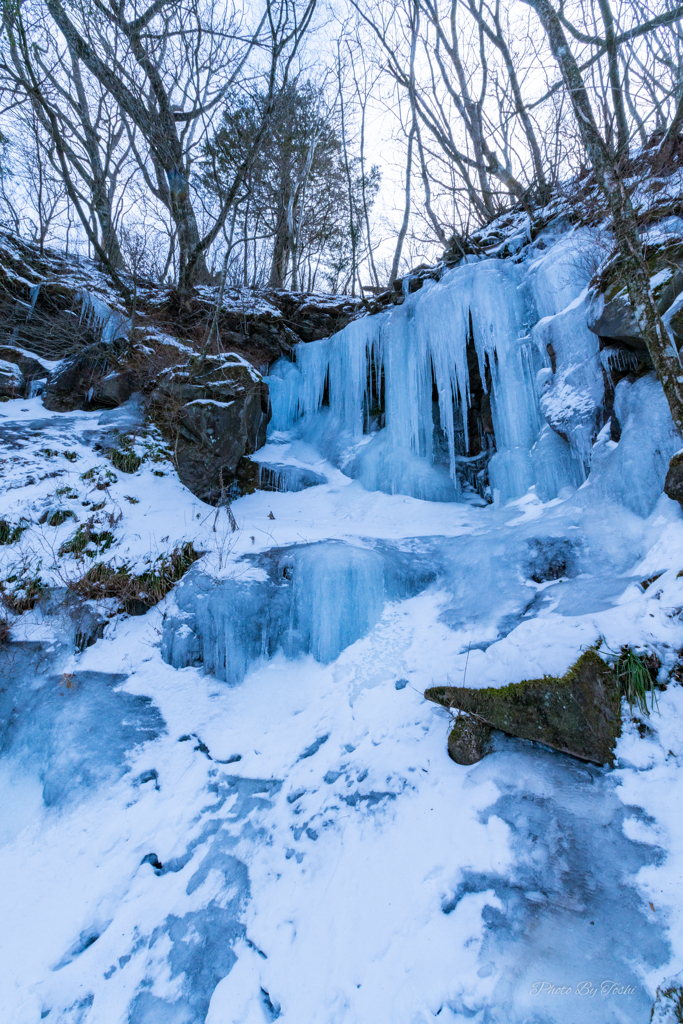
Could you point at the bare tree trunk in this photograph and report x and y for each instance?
(353, 229)
(280, 259)
(634, 268)
(245, 263)
(45, 113)
(101, 199)
(670, 142)
(406, 212)
(436, 224)
(615, 82)
(498, 40)
(366, 212)
(151, 105)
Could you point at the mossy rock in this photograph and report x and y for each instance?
(469, 740)
(578, 714)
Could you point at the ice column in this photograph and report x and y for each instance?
(284, 385)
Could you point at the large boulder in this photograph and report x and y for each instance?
(94, 378)
(29, 366)
(18, 370)
(215, 413)
(610, 313)
(579, 713)
(11, 381)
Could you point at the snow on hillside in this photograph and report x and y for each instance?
(283, 836)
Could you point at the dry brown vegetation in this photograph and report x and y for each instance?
(135, 592)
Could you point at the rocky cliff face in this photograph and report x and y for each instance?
(65, 334)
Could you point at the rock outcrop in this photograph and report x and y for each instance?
(94, 377)
(673, 485)
(611, 314)
(11, 381)
(469, 740)
(215, 412)
(260, 325)
(59, 307)
(578, 714)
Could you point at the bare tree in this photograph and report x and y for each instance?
(168, 66)
(406, 210)
(83, 127)
(605, 163)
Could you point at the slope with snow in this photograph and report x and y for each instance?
(239, 808)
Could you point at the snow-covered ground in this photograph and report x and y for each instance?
(299, 846)
(238, 807)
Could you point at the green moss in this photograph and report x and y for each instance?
(70, 456)
(578, 713)
(57, 516)
(517, 692)
(21, 590)
(131, 452)
(156, 453)
(101, 476)
(86, 541)
(10, 534)
(611, 281)
(127, 462)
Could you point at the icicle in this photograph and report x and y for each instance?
(667, 318)
(556, 466)
(336, 594)
(342, 362)
(618, 359)
(287, 478)
(419, 344)
(313, 361)
(110, 324)
(34, 292)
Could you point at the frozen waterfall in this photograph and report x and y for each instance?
(491, 370)
(404, 379)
